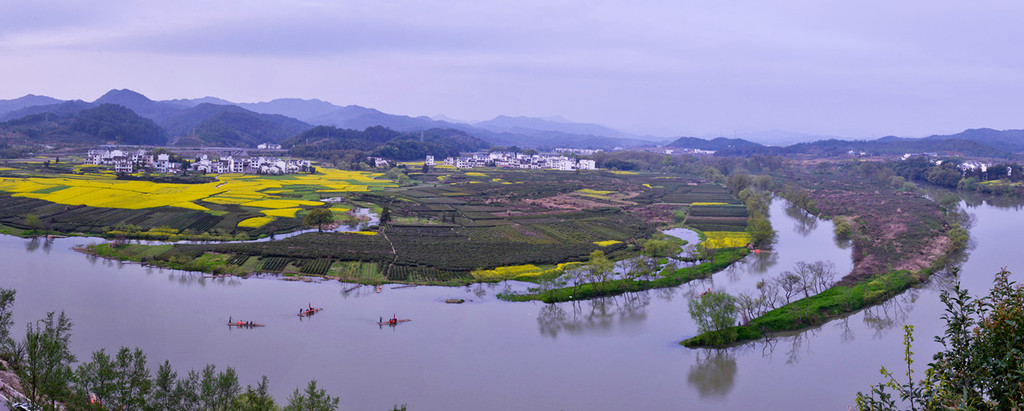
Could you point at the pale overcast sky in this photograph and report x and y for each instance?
(859, 69)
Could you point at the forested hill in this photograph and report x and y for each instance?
(230, 126)
(327, 142)
(886, 146)
(103, 124)
(720, 143)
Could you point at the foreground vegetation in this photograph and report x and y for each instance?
(981, 365)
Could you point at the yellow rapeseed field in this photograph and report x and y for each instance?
(255, 222)
(104, 190)
(522, 271)
(725, 239)
(606, 243)
(281, 212)
(598, 192)
(697, 204)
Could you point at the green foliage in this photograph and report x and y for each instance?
(660, 248)
(583, 290)
(842, 229)
(46, 369)
(255, 399)
(33, 222)
(119, 383)
(715, 314)
(6, 311)
(968, 184)
(712, 174)
(738, 182)
(318, 217)
(981, 365)
(761, 232)
(959, 236)
(311, 399)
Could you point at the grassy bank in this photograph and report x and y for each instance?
(818, 309)
(667, 278)
(898, 239)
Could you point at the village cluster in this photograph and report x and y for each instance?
(130, 161)
(517, 160)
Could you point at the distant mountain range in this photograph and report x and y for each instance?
(215, 121)
(211, 121)
(981, 142)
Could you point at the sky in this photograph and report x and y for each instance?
(854, 69)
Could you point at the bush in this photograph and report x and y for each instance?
(981, 366)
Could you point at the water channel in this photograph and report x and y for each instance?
(616, 353)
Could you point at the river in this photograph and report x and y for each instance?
(616, 353)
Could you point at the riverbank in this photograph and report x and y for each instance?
(899, 239)
(668, 277)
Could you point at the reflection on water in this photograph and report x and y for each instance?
(634, 335)
(714, 374)
(890, 314)
(579, 317)
(33, 244)
(795, 344)
(803, 222)
(757, 263)
(974, 199)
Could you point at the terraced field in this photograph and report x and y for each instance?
(467, 226)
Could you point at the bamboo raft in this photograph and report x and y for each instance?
(242, 324)
(353, 288)
(306, 313)
(403, 286)
(396, 323)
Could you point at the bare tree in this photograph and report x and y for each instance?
(749, 307)
(769, 297)
(791, 284)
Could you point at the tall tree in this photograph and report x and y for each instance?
(96, 381)
(46, 371)
(218, 389)
(256, 399)
(318, 217)
(312, 399)
(133, 382)
(715, 312)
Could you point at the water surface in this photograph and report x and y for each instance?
(616, 353)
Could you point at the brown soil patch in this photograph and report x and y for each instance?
(933, 249)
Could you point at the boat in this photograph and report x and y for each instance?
(309, 312)
(379, 288)
(244, 324)
(394, 323)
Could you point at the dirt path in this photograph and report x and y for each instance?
(387, 273)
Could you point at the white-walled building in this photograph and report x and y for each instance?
(522, 161)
